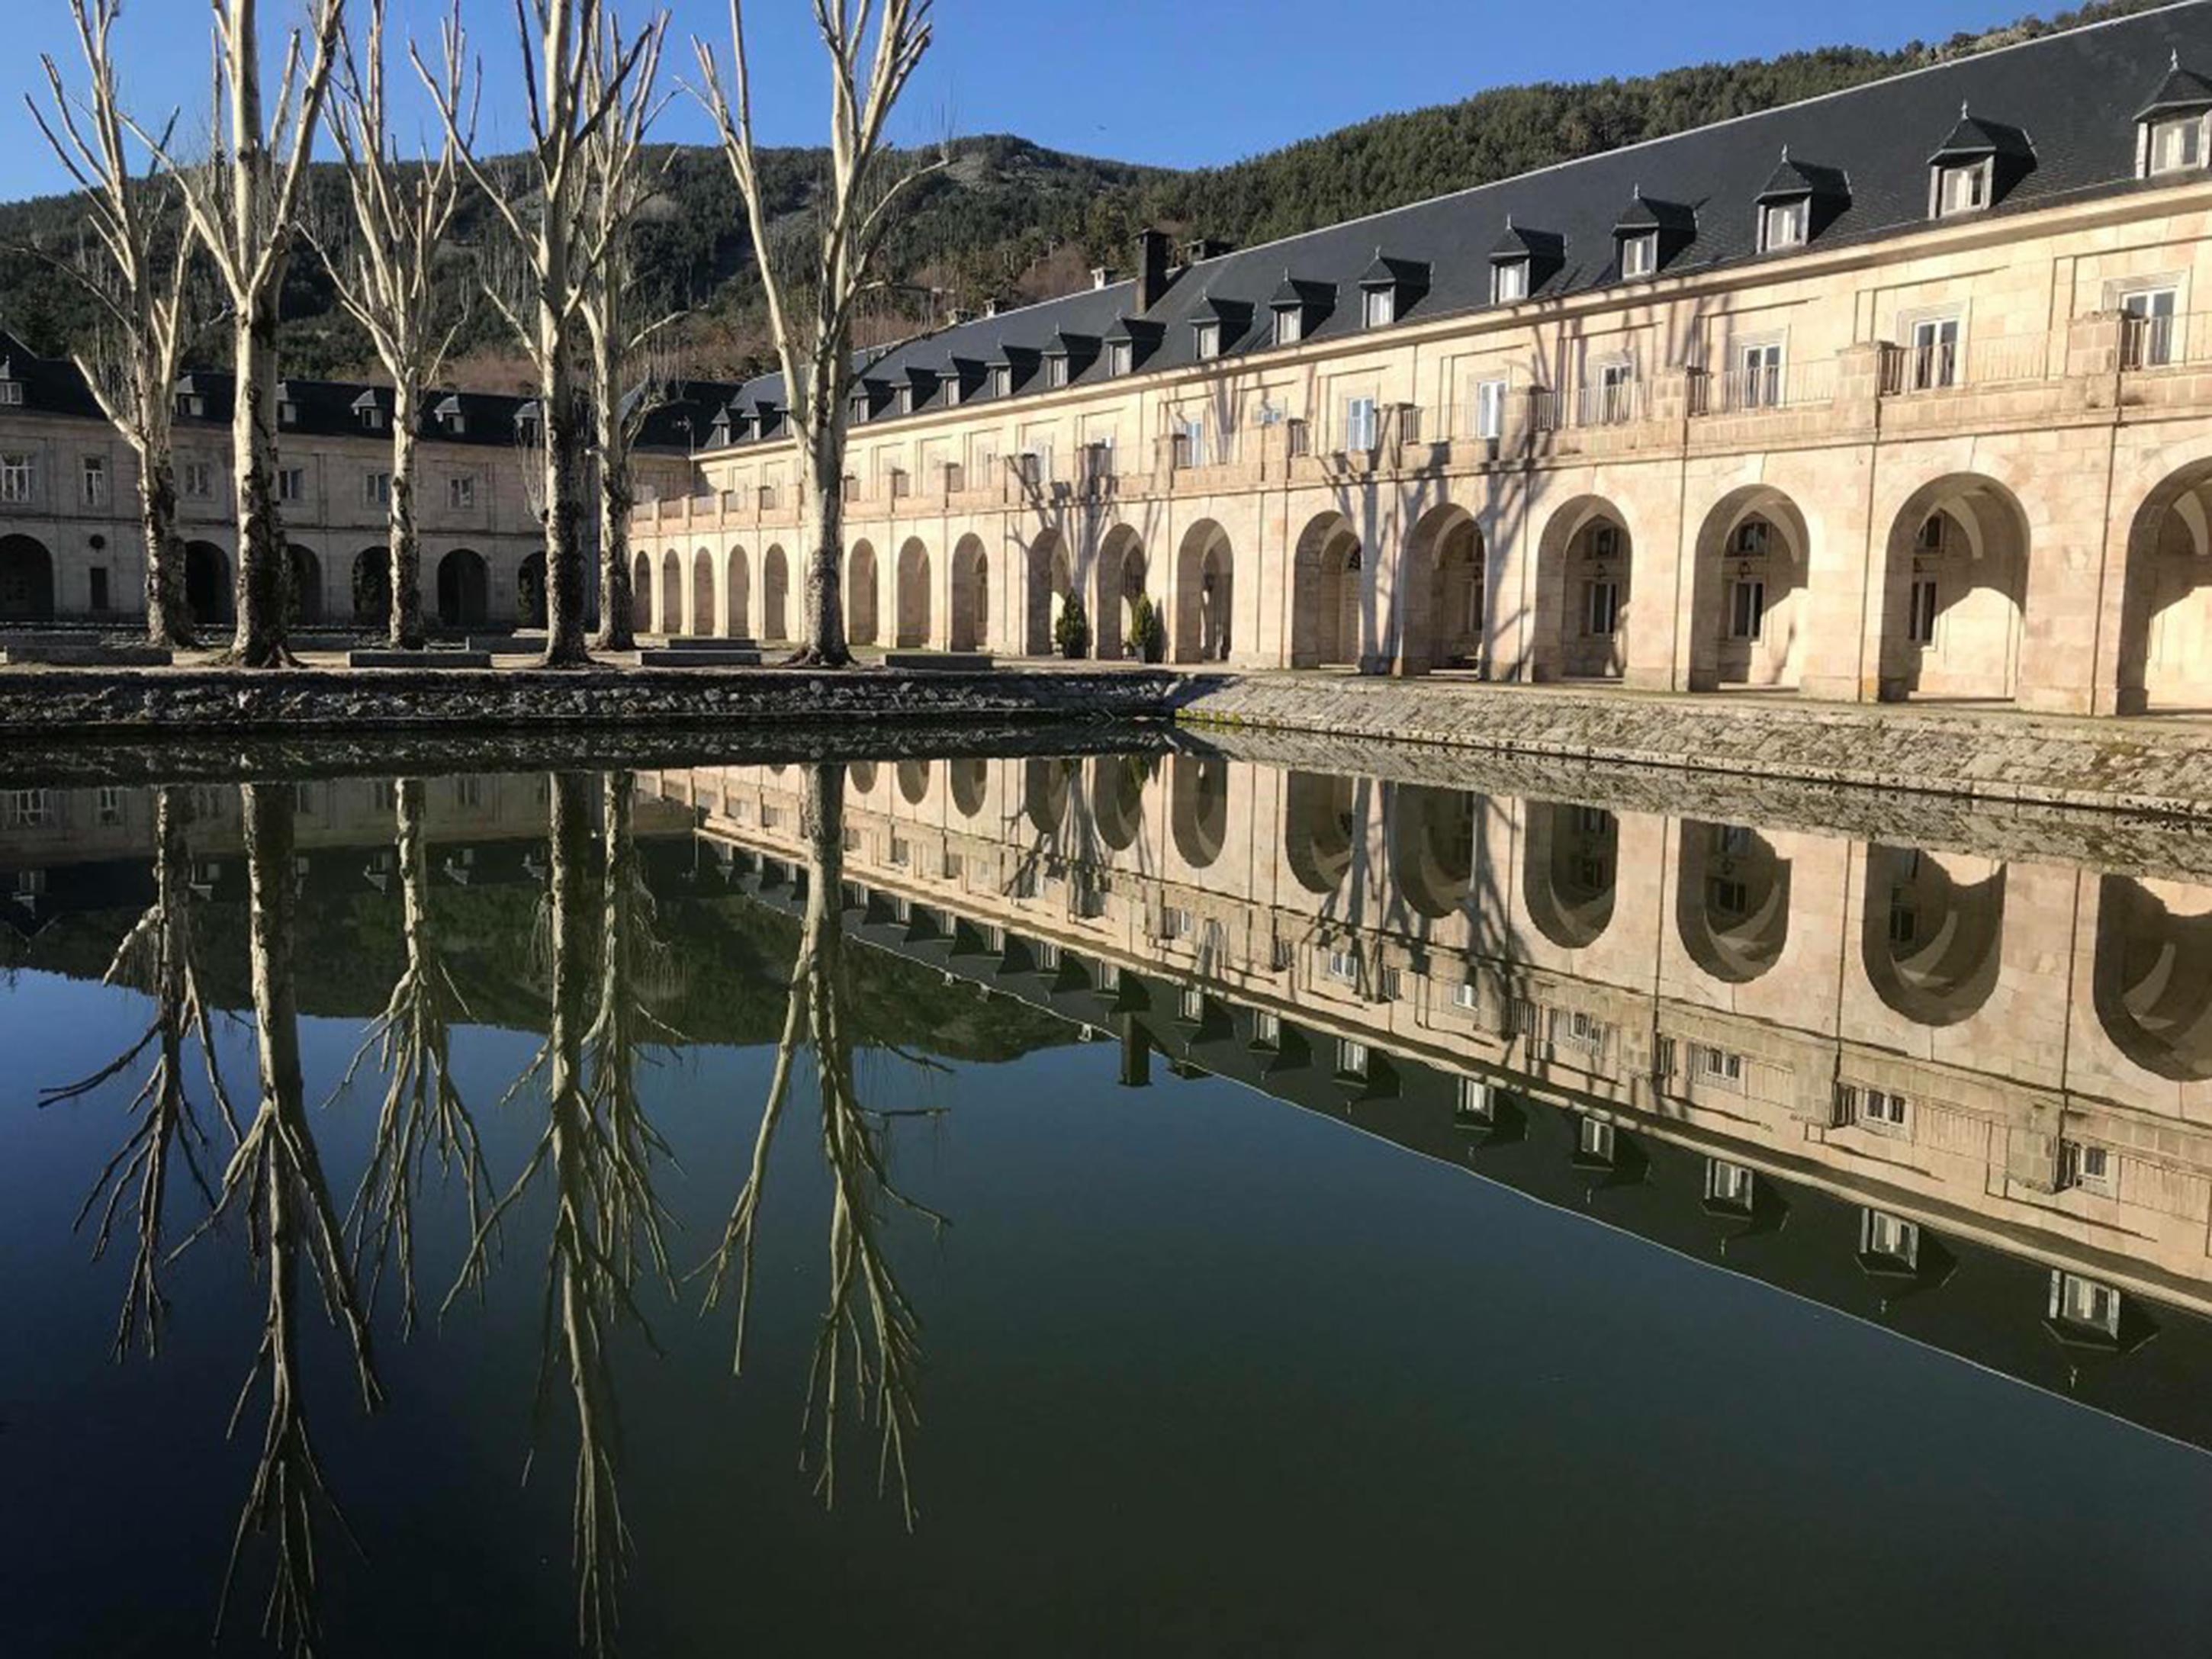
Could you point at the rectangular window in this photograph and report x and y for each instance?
(1056, 372)
(291, 483)
(1782, 224)
(1509, 281)
(1728, 1184)
(2085, 1301)
(1747, 609)
(1762, 375)
(1962, 189)
(1880, 1108)
(2148, 322)
(1490, 410)
(1190, 442)
(1466, 995)
(1190, 1006)
(1473, 1105)
(1174, 922)
(1046, 955)
(376, 489)
(461, 492)
(11, 393)
(111, 804)
(95, 481)
(1379, 308)
(2086, 1166)
(1343, 966)
(1266, 1029)
(2177, 145)
(16, 477)
(1208, 337)
(1716, 1064)
(1891, 1237)
(100, 596)
(1359, 423)
(1594, 1138)
(26, 809)
(1351, 1058)
(1639, 255)
(1120, 357)
(1934, 353)
(1601, 610)
(1290, 325)
(1616, 393)
(1920, 613)
(199, 480)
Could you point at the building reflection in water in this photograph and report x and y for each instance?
(1957, 1095)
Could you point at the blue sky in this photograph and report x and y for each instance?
(1158, 81)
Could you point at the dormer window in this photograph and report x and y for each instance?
(1207, 337)
(1290, 325)
(372, 417)
(2177, 145)
(1509, 281)
(1784, 224)
(11, 393)
(1378, 307)
(1639, 255)
(1390, 289)
(1120, 357)
(2170, 130)
(1055, 371)
(191, 404)
(906, 398)
(288, 414)
(1002, 381)
(1978, 165)
(1802, 198)
(1963, 188)
(1521, 261)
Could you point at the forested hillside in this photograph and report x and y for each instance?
(1009, 219)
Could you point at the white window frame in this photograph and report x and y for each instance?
(1594, 1139)
(2175, 144)
(2151, 314)
(2088, 1303)
(1475, 1104)
(1892, 1237)
(1489, 400)
(199, 479)
(1785, 224)
(1120, 357)
(11, 393)
(1378, 307)
(1639, 255)
(461, 492)
(94, 479)
(375, 489)
(19, 477)
(1362, 425)
(1509, 281)
(1735, 1185)
(1290, 324)
(292, 483)
(1936, 351)
(1056, 371)
(1205, 338)
(1759, 363)
(1962, 187)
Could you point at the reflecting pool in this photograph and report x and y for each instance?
(1179, 1197)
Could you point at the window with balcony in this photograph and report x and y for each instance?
(18, 477)
(1933, 361)
(1759, 374)
(2148, 324)
(1359, 425)
(1490, 410)
(2090, 1168)
(1190, 442)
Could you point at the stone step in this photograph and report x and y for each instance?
(959, 661)
(728, 657)
(508, 645)
(84, 653)
(708, 642)
(385, 658)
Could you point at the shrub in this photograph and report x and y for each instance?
(1148, 635)
(1072, 632)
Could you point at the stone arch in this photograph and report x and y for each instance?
(776, 595)
(1932, 934)
(1956, 598)
(1749, 591)
(738, 587)
(703, 591)
(1044, 794)
(1205, 569)
(1585, 559)
(1197, 811)
(970, 778)
(1445, 617)
(971, 595)
(1051, 581)
(2152, 976)
(862, 775)
(1731, 900)
(1570, 870)
(1320, 816)
(208, 593)
(861, 593)
(1121, 567)
(1431, 846)
(1117, 799)
(372, 589)
(914, 606)
(530, 610)
(640, 592)
(1329, 583)
(464, 589)
(27, 579)
(914, 781)
(670, 613)
(306, 583)
(2165, 613)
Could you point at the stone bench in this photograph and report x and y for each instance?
(708, 642)
(661, 656)
(385, 658)
(83, 654)
(508, 645)
(961, 661)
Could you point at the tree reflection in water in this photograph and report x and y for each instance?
(867, 1348)
(160, 955)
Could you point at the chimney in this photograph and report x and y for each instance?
(1152, 268)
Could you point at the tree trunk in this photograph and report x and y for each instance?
(564, 455)
(262, 586)
(825, 645)
(617, 496)
(168, 618)
(406, 631)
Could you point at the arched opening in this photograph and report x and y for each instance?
(1751, 554)
(1051, 580)
(1570, 865)
(703, 591)
(2166, 617)
(372, 589)
(971, 596)
(1444, 625)
(1117, 799)
(1320, 816)
(1957, 592)
(26, 580)
(1044, 793)
(969, 776)
(1327, 601)
(670, 614)
(1932, 932)
(1199, 811)
(207, 584)
(530, 591)
(464, 589)
(306, 599)
(913, 595)
(1732, 901)
(739, 580)
(1204, 597)
(862, 776)
(2152, 979)
(1431, 846)
(914, 781)
(860, 591)
(776, 595)
(1121, 584)
(1583, 564)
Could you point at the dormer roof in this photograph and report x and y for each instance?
(1645, 213)
(2183, 92)
(1387, 272)
(1298, 291)
(1792, 178)
(1975, 139)
(1517, 241)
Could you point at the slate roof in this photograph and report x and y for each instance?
(2075, 95)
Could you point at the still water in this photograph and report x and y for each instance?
(1138, 1202)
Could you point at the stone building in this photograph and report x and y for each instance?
(69, 543)
(1898, 391)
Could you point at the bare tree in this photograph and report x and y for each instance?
(141, 284)
(386, 272)
(568, 103)
(811, 309)
(626, 383)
